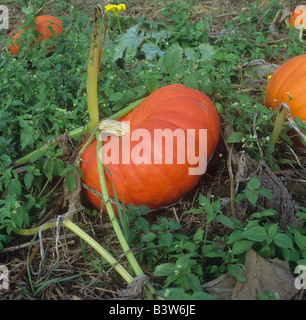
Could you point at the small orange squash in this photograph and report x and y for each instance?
(43, 25)
(173, 107)
(288, 84)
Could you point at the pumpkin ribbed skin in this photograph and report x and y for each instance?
(289, 80)
(43, 23)
(155, 185)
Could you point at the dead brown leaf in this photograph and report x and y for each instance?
(262, 275)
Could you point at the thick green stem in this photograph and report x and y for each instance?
(92, 73)
(83, 235)
(110, 210)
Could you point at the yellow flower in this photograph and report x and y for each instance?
(115, 8)
(269, 77)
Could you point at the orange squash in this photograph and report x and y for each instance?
(43, 25)
(156, 183)
(288, 84)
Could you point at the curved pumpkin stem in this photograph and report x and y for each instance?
(92, 73)
(78, 231)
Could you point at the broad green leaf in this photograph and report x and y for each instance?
(207, 51)
(234, 137)
(283, 241)
(129, 42)
(226, 221)
(194, 282)
(252, 196)
(151, 50)
(300, 239)
(236, 271)
(15, 187)
(256, 233)
(164, 269)
(71, 183)
(254, 184)
(28, 179)
(241, 246)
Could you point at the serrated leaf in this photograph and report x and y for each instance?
(148, 237)
(198, 236)
(165, 238)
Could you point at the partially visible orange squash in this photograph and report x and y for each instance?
(288, 84)
(173, 108)
(43, 25)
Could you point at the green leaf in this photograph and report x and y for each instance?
(266, 193)
(234, 137)
(148, 237)
(165, 238)
(300, 239)
(115, 97)
(15, 187)
(26, 137)
(226, 221)
(164, 269)
(207, 51)
(48, 168)
(272, 229)
(28, 179)
(236, 271)
(252, 196)
(283, 241)
(194, 282)
(241, 246)
(198, 236)
(129, 42)
(256, 233)
(71, 183)
(254, 184)
(150, 50)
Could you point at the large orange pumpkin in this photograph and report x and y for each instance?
(156, 183)
(288, 84)
(44, 24)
